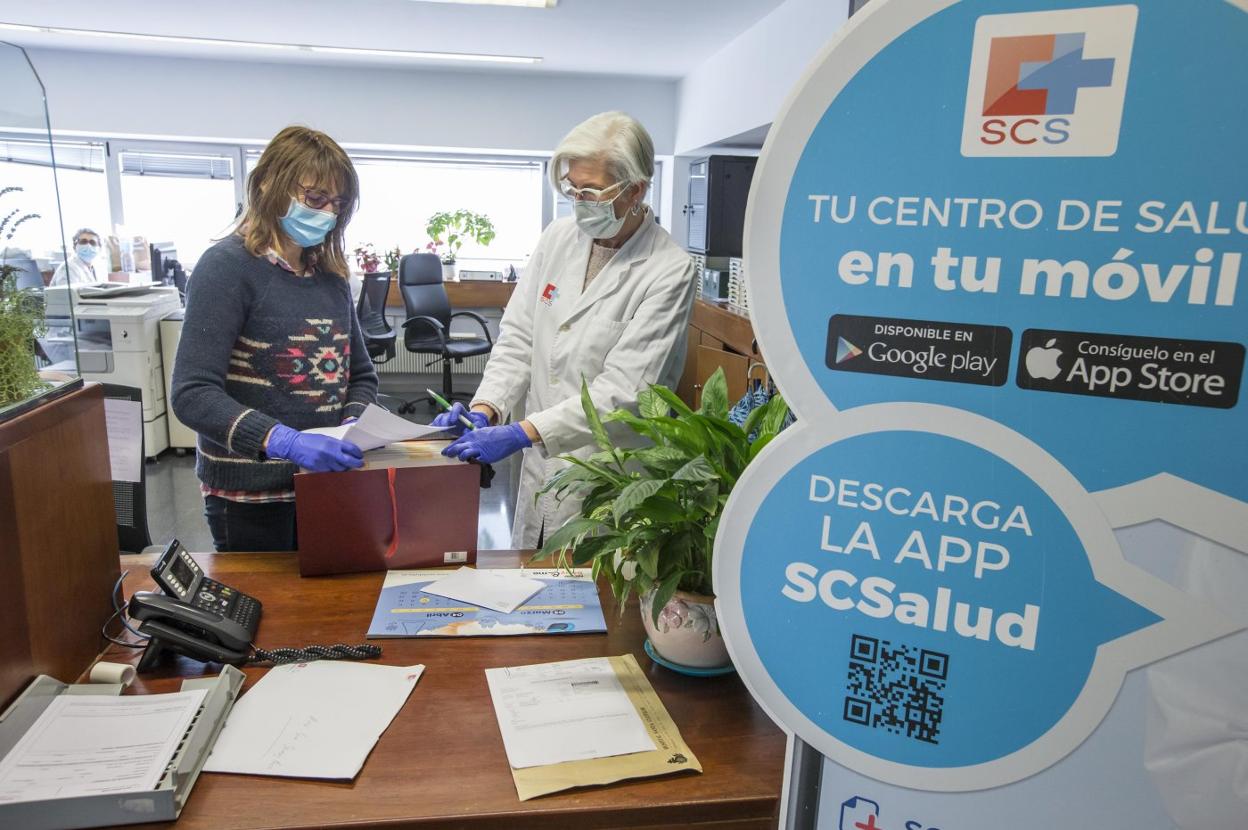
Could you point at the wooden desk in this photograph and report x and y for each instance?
(466, 294)
(441, 763)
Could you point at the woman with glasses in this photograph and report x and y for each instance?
(79, 268)
(271, 345)
(605, 298)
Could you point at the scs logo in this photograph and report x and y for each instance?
(860, 813)
(1048, 83)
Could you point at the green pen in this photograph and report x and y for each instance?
(442, 401)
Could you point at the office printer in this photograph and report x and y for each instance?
(118, 337)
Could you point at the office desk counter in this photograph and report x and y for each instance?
(441, 763)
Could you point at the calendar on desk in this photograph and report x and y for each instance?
(568, 604)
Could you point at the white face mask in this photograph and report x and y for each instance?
(598, 219)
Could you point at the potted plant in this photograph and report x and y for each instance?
(448, 231)
(392, 258)
(649, 515)
(366, 258)
(21, 321)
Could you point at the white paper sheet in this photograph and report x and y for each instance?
(124, 423)
(377, 428)
(501, 590)
(312, 720)
(93, 744)
(568, 711)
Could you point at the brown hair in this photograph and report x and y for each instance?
(298, 156)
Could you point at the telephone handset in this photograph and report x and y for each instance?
(193, 614)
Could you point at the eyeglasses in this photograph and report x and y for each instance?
(590, 194)
(318, 199)
(94, 243)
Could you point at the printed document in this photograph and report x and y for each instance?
(94, 744)
(123, 421)
(312, 720)
(502, 590)
(567, 711)
(377, 428)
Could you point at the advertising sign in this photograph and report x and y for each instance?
(996, 571)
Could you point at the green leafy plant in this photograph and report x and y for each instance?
(21, 321)
(453, 229)
(391, 259)
(650, 514)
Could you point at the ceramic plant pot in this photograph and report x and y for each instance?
(687, 632)
(450, 272)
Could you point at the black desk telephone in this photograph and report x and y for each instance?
(192, 614)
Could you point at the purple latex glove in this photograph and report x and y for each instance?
(489, 445)
(315, 453)
(450, 420)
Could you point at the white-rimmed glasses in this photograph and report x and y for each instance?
(591, 194)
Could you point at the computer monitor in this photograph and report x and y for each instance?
(28, 275)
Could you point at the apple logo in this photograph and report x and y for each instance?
(1042, 362)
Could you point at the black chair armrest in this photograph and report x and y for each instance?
(437, 326)
(485, 328)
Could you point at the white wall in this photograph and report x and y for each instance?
(742, 86)
(130, 96)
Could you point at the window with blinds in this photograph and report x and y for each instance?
(180, 165)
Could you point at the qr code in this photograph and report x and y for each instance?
(898, 688)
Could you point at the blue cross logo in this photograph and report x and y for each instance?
(1064, 75)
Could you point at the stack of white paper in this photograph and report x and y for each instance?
(568, 711)
(312, 720)
(377, 428)
(93, 744)
(498, 590)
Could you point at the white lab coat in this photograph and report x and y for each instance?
(623, 334)
(79, 272)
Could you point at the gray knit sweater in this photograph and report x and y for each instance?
(261, 345)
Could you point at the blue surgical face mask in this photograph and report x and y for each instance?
(306, 227)
(86, 252)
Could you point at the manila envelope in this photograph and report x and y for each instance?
(672, 753)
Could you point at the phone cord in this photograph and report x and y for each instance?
(277, 656)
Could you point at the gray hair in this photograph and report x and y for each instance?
(81, 231)
(615, 138)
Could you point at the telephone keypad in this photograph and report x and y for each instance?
(229, 603)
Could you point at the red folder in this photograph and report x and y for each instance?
(421, 513)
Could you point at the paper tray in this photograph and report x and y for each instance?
(161, 804)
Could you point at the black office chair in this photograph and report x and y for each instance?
(427, 329)
(129, 497)
(378, 336)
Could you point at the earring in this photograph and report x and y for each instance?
(637, 208)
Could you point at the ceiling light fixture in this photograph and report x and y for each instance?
(531, 4)
(285, 47)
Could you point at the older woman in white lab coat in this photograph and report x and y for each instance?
(606, 297)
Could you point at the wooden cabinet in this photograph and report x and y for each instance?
(719, 338)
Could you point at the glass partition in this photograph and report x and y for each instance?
(38, 348)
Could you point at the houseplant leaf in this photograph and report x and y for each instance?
(633, 495)
(567, 536)
(667, 589)
(650, 404)
(591, 417)
(715, 395)
(699, 469)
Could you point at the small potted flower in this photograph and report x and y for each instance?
(366, 258)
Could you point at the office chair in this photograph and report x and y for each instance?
(129, 497)
(378, 336)
(427, 329)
